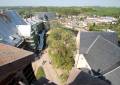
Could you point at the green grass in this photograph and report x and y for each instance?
(63, 77)
(40, 73)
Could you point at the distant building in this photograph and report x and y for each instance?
(46, 15)
(14, 30)
(15, 66)
(98, 20)
(36, 27)
(99, 54)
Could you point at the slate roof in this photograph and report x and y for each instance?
(87, 38)
(9, 54)
(15, 17)
(103, 55)
(78, 77)
(8, 28)
(114, 76)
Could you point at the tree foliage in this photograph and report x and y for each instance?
(100, 11)
(100, 27)
(40, 73)
(61, 44)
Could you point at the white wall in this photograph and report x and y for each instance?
(78, 42)
(25, 30)
(81, 62)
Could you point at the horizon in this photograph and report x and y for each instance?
(66, 6)
(57, 3)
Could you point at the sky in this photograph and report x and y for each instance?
(106, 3)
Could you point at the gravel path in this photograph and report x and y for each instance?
(44, 61)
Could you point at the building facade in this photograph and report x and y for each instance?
(15, 66)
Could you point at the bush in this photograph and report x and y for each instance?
(40, 73)
(61, 43)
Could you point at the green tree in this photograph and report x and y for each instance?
(61, 44)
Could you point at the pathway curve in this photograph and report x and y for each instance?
(50, 72)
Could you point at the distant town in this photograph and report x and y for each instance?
(59, 46)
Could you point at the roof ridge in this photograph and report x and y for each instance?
(95, 32)
(111, 43)
(103, 39)
(111, 71)
(92, 44)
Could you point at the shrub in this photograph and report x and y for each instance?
(40, 73)
(61, 43)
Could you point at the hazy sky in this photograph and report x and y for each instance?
(60, 3)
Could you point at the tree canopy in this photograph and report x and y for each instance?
(100, 11)
(61, 44)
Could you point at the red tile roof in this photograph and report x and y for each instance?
(10, 54)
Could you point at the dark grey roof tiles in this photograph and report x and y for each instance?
(15, 17)
(103, 55)
(114, 76)
(78, 77)
(87, 38)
